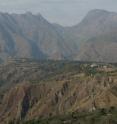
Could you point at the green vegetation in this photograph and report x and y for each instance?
(100, 116)
(44, 71)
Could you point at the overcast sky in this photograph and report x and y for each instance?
(64, 12)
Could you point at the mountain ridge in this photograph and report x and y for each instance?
(32, 36)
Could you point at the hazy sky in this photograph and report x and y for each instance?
(64, 12)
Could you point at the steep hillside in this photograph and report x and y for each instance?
(31, 36)
(96, 36)
(65, 88)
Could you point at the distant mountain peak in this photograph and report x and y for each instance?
(98, 11)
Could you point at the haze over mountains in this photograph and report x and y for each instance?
(32, 36)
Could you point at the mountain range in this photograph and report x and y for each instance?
(32, 36)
